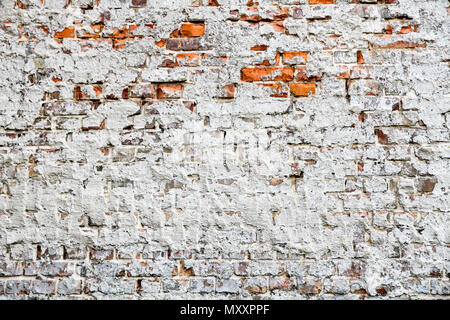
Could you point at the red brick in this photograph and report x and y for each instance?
(400, 45)
(301, 75)
(303, 89)
(187, 59)
(68, 32)
(261, 47)
(169, 91)
(295, 57)
(359, 57)
(117, 33)
(121, 43)
(382, 138)
(192, 30)
(320, 1)
(138, 3)
(94, 32)
(267, 74)
(345, 72)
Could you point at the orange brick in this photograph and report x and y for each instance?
(161, 43)
(19, 4)
(43, 28)
(320, 1)
(278, 26)
(169, 91)
(192, 30)
(168, 62)
(187, 59)
(262, 47)
(68, 32)
(267, 74)
(388, 29)
(408, 29)
(118, 33)
(400, 45)
(301, 75)
(94, 34)
(175, 34)
(303, 89)
(345, 74)
(295, 57)
(255, 17)
(359, 57)
(121, 43)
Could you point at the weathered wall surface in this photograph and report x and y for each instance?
(224, 148)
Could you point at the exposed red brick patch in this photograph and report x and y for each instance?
(262, 47)
(120, 43)
(295, 57)
(169, 91)
(301, 75)
(408, 29)
(118, 33)
(362, 117)
(19, 4)
(175, 34)
(381, 291)
(267, 74)
(94, 32)
(303, 89)
(382, 138)
(187, 59)
(161, 43)
(360, 166)
(400, 45)
(139, 3)
(68, 32)
(359, 57)
(320, 1)
(345, 74)
(192, 30)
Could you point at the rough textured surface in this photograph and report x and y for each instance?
(224, 148)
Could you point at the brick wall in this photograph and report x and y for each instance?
(224, 148)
